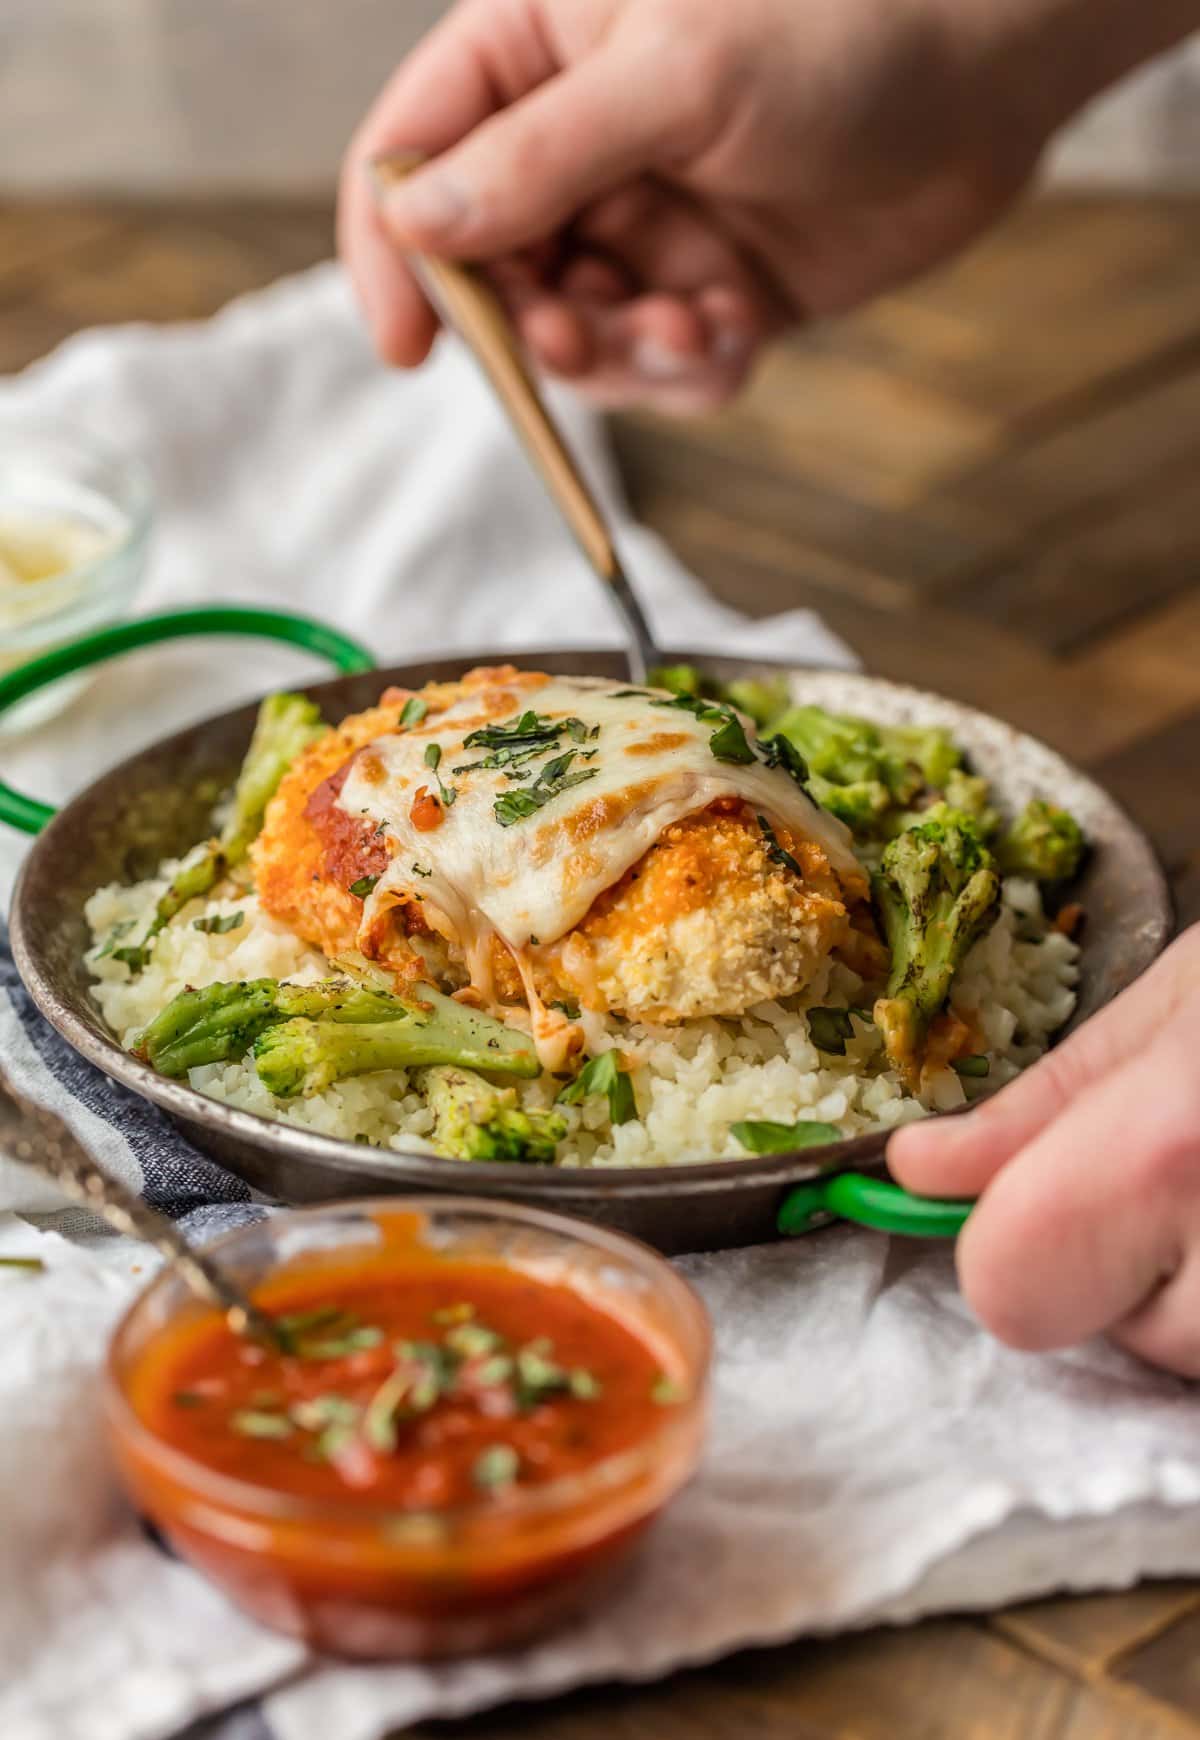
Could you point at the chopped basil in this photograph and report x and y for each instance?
(379, 1419)
(666, 1391)
(972, 1067)
(829, 1029)
(603, 1075)
(218, 925)
(134, 958)
(251, 1423)
(412, 712)
(730, 744)
(779, 752)
(761, 1136)
(529, 730)
(496, 1466)
(554, 778)
(120, 929)
(318, 1412)
(468, 1340)
(433, 760)
(777, 853)
(338, 1346)
(363, 886)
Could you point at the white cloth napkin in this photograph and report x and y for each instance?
(873, 1455)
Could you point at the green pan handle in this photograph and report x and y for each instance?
(873, 1202)
(346, 655)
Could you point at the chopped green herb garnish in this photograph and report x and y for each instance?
(603, 1075)
(379, 1420)
(27, 1265)
(470, 1339)
(337, 1347)
(421, 870)
(120, 929)
(252, 1423)
(218, 925)
(972, 1067)
(496, 1466)
(730, 743)
(135, 958)
(433, 760)
(570, 1010)
(666, 1391)
(554, 778)
(780, 752)
(778, 854)
(318, 1412)
(761, 1136)
(528, 730)
(363, 886)
(412, 712)
(829, 1029)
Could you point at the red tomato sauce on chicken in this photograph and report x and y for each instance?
(426, 1390)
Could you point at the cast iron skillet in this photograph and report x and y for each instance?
(157, 804)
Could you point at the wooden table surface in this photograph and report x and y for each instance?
(988, 485)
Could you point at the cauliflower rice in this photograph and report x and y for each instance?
(692, 1081)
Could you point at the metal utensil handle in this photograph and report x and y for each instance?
(40, 1139)
(873, 1202)
(29, 814)
(467, 304)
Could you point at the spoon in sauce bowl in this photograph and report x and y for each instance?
(37, 1137)
(467, 305)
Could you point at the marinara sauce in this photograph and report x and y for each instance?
(444, 1453)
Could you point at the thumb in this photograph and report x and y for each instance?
(959, 1156)
(517, 177)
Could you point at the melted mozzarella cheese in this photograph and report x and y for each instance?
(529, 883)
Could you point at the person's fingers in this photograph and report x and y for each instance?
(957, 1156)
(1166, 1329)
(1096, 1213)
(668, 244)
(523, 172)
(481, 55)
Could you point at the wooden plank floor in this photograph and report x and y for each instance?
(986, 485)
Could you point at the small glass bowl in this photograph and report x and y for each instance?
(51, 478)
(358, 1579)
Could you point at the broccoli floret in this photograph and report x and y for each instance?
(972, 793)
(220, 1022)
(286, 724)
(763, 699)
(936, 892)
(683, 680)
(1044, 842)
(862, 806)
(475, 1121)
(333, 1028)
(929, 748)
(304, 1056)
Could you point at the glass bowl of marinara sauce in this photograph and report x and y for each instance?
(480, 1411)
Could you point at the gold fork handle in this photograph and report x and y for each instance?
(467, 304)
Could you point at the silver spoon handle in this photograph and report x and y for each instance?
(40, 1139)
(467, 304)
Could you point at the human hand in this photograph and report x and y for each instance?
(1088, 1170)
(658, 186)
